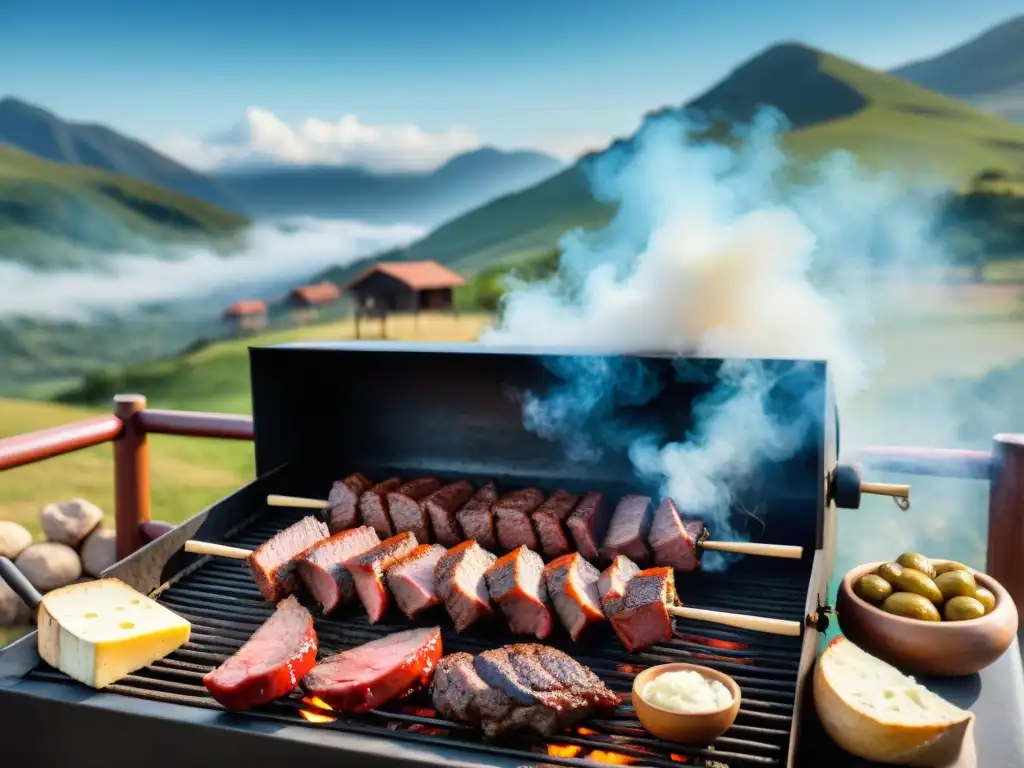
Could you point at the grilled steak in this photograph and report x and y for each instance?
(343, 501)
(411, 579)
(628, 529)
(614, 578)
(641, 618)
(588, 524)
(373, 507)
(273, 562)
(572, 585)
(673, 540)
(518, 687)
(512, 523)
(270, 663)
(476, 518)
(322, 566)
(549, 522)
(516, 583)
(440, 507)
(459, 578)
(370, 675)
(407, 512)
(368, 569)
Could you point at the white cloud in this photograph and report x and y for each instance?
(262, 137)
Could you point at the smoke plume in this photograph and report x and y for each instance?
(731, 251)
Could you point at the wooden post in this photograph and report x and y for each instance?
(131, 475)
(1006, 516)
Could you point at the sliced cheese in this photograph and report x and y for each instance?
(98, 632)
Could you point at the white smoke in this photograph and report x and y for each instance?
(720, 252)
(270, 257)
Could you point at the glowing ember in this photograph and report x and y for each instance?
(319, 712)
(679, 758)
(612, 758)
(714, 643)
(587, 732)
(564, 750)
(716, 657)
(419, 711)
(630, 669)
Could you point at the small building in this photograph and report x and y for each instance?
(247, 316)
(405, 286)
(307, 301)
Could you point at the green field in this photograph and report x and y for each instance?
(56, 215)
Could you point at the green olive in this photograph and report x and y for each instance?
(917, 562)
(911, 580)
(956, 584)
(949, 565)
(872, 588)
(962, 609)
(911, 606)
(890, 572)
(986, 598)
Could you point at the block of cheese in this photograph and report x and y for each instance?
(97, 632)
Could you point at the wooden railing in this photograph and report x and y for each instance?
(130, 423)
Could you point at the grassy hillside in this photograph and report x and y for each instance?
(55, 215)
(833, 103)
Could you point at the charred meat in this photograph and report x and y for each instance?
(476, 518)
(627, 531)
(368, 569)
(459, 578)
(270, 663)
(322, 566)
(441, 506)
(406, 509)
(516, 583)
(588, 524)
(641, 618)
(674, 540)
(343, 501)
(572, 585)
(512, 523)
(373, 507)
(273, 562)
(411, 580)
(549, 522)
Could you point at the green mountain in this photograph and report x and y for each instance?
(43, 134)
(463, 183)
(831, 103)
(55, 215)
(987, 71)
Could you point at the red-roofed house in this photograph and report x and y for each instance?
(405, 286)
(247, 315)
(306, 301)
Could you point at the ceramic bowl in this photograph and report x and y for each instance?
(682, 728)
(946, 649)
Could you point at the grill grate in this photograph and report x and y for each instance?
(225, 608)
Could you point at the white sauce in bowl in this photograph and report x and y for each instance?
(687, 692)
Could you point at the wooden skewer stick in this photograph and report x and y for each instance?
(297, 502)
(753, 548)
(216, 550)
(896, 490)
(739, 620)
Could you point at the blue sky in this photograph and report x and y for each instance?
(522, 73)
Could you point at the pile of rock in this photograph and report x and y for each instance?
(77, 548)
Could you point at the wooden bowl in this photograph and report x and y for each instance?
(683, 728)
(946, 649)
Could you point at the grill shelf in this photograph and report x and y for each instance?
(225, 608)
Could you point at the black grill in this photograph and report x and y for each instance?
(225, 608)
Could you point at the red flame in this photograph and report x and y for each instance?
(679, 758)
(319, 712)
(714, 643)
(419, 711)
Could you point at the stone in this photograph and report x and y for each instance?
(14, 539)
(70, 522)
(99, 551)
(49, 565)
(13, 610)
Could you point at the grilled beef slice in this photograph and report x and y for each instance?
(641, 618)
(375, 673)
(459, 579)
(406, 510)
(440, 507)
(373, 507)
(270, 663)
(516, 583)
(343, 501)
(273, 562)
(411, 580)
(674, 540)
(549, 522)
(322, 566)
(512, 523)
(588, 524)
(476, 518)
(572, 586)
(627, 531)
(614, 578)
(368, 569)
